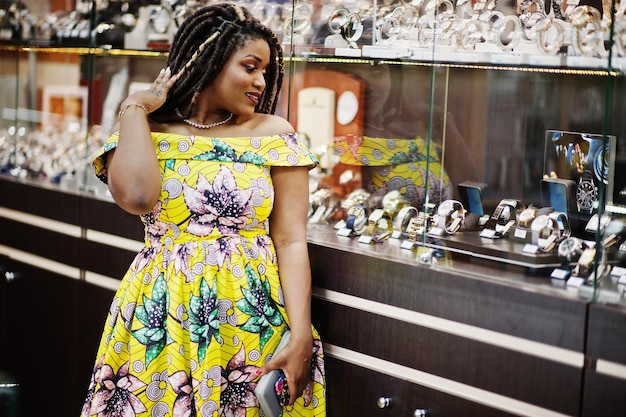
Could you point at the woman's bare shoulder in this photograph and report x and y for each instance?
(269, 125)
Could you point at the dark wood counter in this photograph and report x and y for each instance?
(458, 337)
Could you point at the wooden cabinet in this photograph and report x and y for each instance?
(50, 328)
(449, 341)
(51, 317)
(355, 391)
(516, 349)
(38, 337)
(605, 378)
(358, 391)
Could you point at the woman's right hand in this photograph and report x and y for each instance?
(155, 96)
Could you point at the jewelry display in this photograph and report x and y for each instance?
(51, 152)
(550, 35)
(531, 13)
(587, 35)
(468, 34)
(297, 25)
(459, 31)
(387, 29)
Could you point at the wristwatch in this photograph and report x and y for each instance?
(597, 222)
(586, 193)
(451, 216)
(392, 202)
(403, 218)
(544, 225)
(547, 228)
(570, 249)
(357, 218)
(358, 196)
(585, 261)
(373, 222)
(160, 19)
(562, 223)
(505, 211)
(526, 217)
(415, 227)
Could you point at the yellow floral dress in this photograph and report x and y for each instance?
(201, 307)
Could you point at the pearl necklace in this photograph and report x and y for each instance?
(201, 126)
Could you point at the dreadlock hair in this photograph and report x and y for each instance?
(203, 44)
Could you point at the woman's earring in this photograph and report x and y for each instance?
(194, 98)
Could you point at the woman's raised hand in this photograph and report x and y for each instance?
(154, 97)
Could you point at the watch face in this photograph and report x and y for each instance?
(376, 215)
(445, 208)
(569, 248)
(586, 195)
(160, 19)
(540, 223)
(506, 214)
(568, 245)
(527, 215)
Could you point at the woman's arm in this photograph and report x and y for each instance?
(288, 231)
(134, 175)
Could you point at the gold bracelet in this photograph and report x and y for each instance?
(123, 109)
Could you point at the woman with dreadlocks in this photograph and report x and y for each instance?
(221, 185)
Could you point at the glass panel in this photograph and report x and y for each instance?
(463, 102)
(431, 100)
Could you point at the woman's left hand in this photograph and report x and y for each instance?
(295, 361)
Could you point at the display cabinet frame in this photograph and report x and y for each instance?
(480, 113)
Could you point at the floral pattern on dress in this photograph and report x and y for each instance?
(219, 204)
(153, 314)
(116, 396)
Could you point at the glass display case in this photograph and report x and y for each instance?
(447, 131)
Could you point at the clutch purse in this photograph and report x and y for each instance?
(269, 389)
